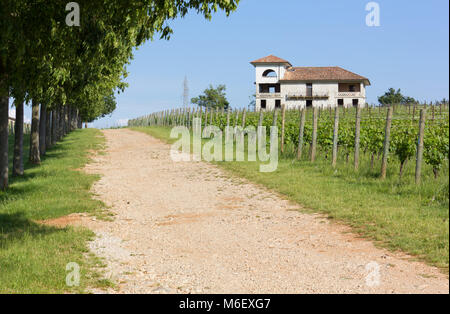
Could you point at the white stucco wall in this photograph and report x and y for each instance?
(299, 88)
(260, 69)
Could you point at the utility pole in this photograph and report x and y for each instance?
(185, 93)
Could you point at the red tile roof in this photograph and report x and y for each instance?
(322, 74)
(271, 59)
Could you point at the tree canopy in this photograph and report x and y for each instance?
(393, 96)
(45, 60)
(212, 98)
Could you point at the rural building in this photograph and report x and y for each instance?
(278, 82)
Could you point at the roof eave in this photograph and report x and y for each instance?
(365, 81)
(267, 63)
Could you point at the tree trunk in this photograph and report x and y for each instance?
(54, 127)
(61, 123)
(75, 119)
(372, 159)
(42, 129)
(4, 107)
(34, 136)
(402, 167)
(18, 140)
(69, 117)
(66, 120)
(48, 130)
(436, 173)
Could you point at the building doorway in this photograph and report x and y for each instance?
(277, 103)
(263, 104)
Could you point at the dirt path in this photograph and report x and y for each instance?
(190, 228)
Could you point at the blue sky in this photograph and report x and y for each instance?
(410, 50)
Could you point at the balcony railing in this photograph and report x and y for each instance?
(307, 96)
(349, 94)
(268, 95)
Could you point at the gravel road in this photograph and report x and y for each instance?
(192, 228)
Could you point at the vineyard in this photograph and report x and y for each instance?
(387, 135)
(320, 200)
(381, 170)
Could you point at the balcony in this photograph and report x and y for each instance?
(350, 94)
(268, 95)
(308, 96)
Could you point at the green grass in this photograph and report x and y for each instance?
(33, 257)
(394, 213)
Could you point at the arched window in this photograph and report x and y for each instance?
(269, 73)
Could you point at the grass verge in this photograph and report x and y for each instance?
(33, 257)
(393, 213)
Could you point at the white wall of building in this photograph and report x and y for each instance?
(330, 89)
(260, 69)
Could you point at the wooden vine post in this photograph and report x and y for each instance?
(275, 117)
(335, 137)
(419, 154)
(211, 119)
(387, 135)
(206, 116)
(261, 117)
(243, 119)
(314, 135)
(433, 113)
(301, 132)
(283, 117)
(357, 136)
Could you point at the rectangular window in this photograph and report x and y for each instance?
(309, 89)
(355, 102)
(277, 103)
(351, 88)
(269, 88)
(340, 102)
(263, 104)
(308, 103)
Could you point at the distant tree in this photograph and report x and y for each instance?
(212, 98)
(408, 100)
(393, 96)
